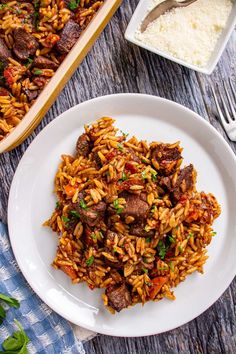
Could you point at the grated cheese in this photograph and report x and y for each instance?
(189, 33)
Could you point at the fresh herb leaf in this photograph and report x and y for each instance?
(118, 208)
(10, 301)
(73, 4)
(74, 214)
(120, 147)
(154, 209)
(58, 205)
(16, 343)
(171, 239)
(161, 247)
(114, 249)
(148, 239)
(180, 249)
(65, 219)
(29, 62)
(171, 266)
(101, 234)
(90, 261)
(214, 233)
(2, 314)
(144, 161)
(190, 235)
(83, 204)
(124, 134)
(93, 236)
(154, 176)
(124, 176)
(145, 270)
(148, 283)
(162, 268)
(37, 72)
(2, 6)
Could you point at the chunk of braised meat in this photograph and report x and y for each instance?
(136, 205)
(25, 44)
(83, 145)
(92, 215)
(40, 81)
(69, 36)
(44, 63)
(4, 52)
(119, 297)
(133, 156)
(96, 159)
(184, 182)
(138, 229)
(4, 92)
(110, 238)
(31, 94)
(167, 158)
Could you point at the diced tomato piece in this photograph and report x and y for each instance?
(4, 92)
(157, 284)
(111, 155)
(69, 270)
(70, 190)
(130, 167)
(8, 73)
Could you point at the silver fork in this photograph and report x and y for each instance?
(228, 120)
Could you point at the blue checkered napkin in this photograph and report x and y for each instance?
(48, 332)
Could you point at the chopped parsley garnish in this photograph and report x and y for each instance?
(214, 233)
(124, 176)
(58, 205)
(144, 161)
(145, 270)
(171, 266)
(154, 176)
(180, 249)
(93, 236)
(36, 4)
(148, 239)
(124, 134)
(189, 235)
(120, 147)
(65, 219)
(154, 209)
(29, 62)
(148, 283)
(171, 239)
(101, 234)
(118, 208)
(73, 4)
(90, 261)
(17, 342)
(2, 6)
(162, 268)
(37, 72)
(74, 214)
(83, 204)
(161, 247)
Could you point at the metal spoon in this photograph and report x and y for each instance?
(160, 9)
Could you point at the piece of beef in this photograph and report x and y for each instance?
(44, 63)
(94, 157)
(24, 43)
(119, 297)
(135, 206)
(183, 184)
(4, 52)
(4, 92)
(167, 158)
(31, 94)
(82, 145)
(138, 229)
(93, 215)
(69, 35)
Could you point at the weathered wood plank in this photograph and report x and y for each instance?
(114, 66)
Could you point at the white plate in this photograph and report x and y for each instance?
(32, 201)
(138, 16)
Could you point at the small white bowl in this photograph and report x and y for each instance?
(138, 16)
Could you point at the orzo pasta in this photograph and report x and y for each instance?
(129, 217)
(35, 37)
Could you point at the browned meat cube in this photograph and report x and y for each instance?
(44, 63)
(4, 52)
(184, 182)
(138, 229)
(69, 35)
(135, 206)
(118, 297)
(166, 159)
(82, 145)
(93, 215)
(25, 44)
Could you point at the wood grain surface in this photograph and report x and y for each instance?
(114, 66)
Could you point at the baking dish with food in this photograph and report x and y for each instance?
(65, 70)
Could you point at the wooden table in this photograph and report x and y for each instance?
(115, 66)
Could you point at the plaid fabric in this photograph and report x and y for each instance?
(48, 332)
